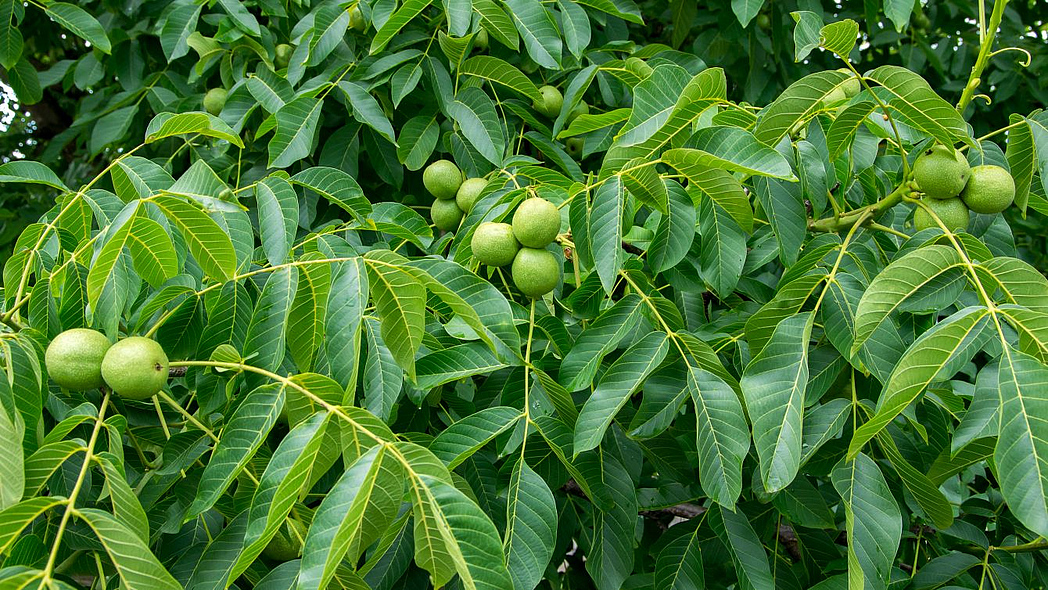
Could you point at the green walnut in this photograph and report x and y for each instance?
(953, 213)
(480, 41)
(493, 244)
(468, 192)
(580, 109)
(764, 22)
(287, 543)
(851, 86)
(990, 189)
(283, 55)
(74, 359)
(442, 179)
(836, 96)
(941, 172)
(536, 222)
(574, 147)
(356, 19)
(215, 100)
(552, 101)
(135, 368)
(445, 214)
(535, 271)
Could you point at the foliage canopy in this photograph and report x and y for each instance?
(766, 361)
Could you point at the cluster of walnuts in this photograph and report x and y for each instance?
(522, 243)
(81, 359)
(952, 188)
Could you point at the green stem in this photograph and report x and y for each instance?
(1038, 545)
(846, 221)
(71, 501)
(987, 37)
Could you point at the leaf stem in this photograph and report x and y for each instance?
(860, 215)
(71, 501)
(987, 34)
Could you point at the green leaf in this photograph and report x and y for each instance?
(625, 9)
(455, 362)
(296, 124)
(495, 20)
(80, 23)
(126, 507)
(468, 535)
(241, 16)
(265, 341)
(112, 128)
(921, 107)
(1021, 454)
(478, 121)
(244, 434)
(654, 101)
(25, 82)
(745, 10)
(136, 564)
(305, 322)
(138, 178)
(603, 335)
(180, 23)
(467, 436)
(773, 386)
(616, 386)
(400, 300)
(706, 89)
(935, 356)
(806, 33)
(839, 37)
(797, 103)
(539, 31)
(367, 110)
(722, 248)
(500, 71)
(931, 500)
(590, 122)
(330, 23)
(610, 557)
(418, 138)
(679, 564)
(476, 302)
(337, 187)
(722, 436)
(286, 475)
(166, 125)
(747, 552)
(150, 248)
(898, 281)
(675, 231)
(873, 521)
(277, 217)
(355, 512)
(30, 172)
(209, 244)
(1019, 282)
(732, 149)
(605, 230)
(531, 526)
(15, 519)
(12, 476)
(1021, 155)
(405, 14)
(643, 181)
(11, 40)
(843, 129)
